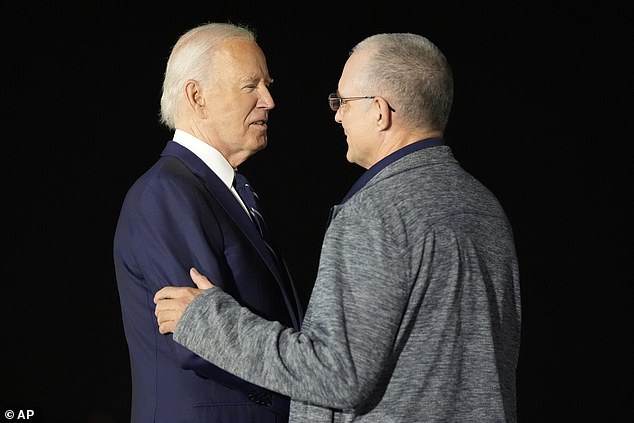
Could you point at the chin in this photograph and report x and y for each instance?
(262, 143)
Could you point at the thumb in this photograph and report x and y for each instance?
(200, 280)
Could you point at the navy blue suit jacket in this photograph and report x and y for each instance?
(177, 215)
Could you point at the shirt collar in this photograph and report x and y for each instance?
(383, 163)
(209, 155)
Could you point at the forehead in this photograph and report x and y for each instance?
(352, 70)
(243, 57)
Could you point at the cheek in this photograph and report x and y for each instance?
(354, 132)
(235, 108)
(232, 121)
(348, 126)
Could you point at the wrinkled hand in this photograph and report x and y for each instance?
(172, 301)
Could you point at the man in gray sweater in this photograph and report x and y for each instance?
(415, 312)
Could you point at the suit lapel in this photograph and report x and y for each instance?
(235, 211)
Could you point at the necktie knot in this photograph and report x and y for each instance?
(250, 199)
(242, 186)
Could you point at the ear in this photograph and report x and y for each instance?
(384, 113)
(194, 96)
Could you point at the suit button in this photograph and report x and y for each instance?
(261, 398)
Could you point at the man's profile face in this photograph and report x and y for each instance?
(238, 99)
(355, 116)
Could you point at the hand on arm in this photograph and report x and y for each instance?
(172, 301)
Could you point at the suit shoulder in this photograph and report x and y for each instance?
(168, 177)
(167, 171)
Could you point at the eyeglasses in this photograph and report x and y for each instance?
(336, 102)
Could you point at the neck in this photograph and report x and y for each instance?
(235, 158)
(396, 142)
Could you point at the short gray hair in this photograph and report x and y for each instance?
(412, 74)
(191, 58)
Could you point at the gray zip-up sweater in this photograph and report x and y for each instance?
(414, 316)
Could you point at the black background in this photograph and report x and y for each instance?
(543, 96)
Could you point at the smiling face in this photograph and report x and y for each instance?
(355, 116)
(237, 101)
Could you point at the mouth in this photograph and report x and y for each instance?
(261, 123)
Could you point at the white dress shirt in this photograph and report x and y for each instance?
(212, 158)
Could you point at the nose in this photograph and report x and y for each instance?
(338, 115)
(266, 99)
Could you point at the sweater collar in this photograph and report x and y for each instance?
(386, 161)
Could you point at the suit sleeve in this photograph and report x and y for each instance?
(176, 231)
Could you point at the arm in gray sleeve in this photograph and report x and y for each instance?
(346, 338)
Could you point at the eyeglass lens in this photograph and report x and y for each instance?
(334, 101)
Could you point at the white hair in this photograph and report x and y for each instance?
(191, 58)
(413, 75)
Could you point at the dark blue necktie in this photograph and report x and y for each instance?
(251, 200)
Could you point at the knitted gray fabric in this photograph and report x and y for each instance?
(414, 316)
